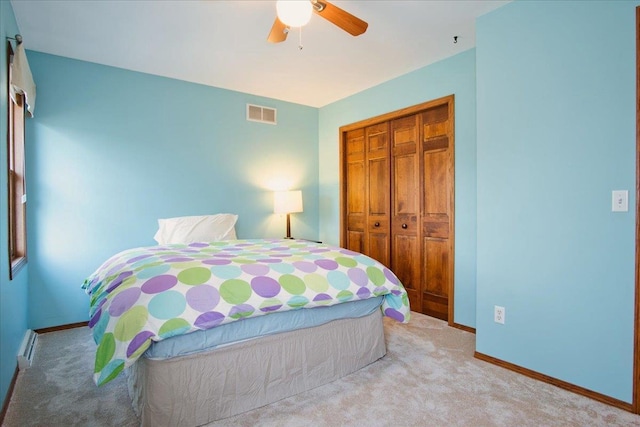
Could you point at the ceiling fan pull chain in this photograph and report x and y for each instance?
(300, 39)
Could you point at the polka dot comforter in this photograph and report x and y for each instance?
(153, 293)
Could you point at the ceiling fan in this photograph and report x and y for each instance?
(293, 13)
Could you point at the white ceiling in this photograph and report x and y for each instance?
(223, 43)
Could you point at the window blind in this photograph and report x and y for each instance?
(21, 80)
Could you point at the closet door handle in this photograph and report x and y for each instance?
(404, 225)
(377, 224)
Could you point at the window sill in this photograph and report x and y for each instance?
(17, 265)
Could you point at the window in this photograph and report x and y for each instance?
(17, 185)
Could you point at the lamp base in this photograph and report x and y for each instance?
(288, 236)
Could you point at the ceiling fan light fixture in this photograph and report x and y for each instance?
(294, 13)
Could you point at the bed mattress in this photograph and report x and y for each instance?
(253, 327)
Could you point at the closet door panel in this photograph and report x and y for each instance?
(436, 177)
(437, 209)
(355, 188)
(407, 267)
(435, 269)
(378, 244)
(355, 198)
(355, 241)
(378, 183)
(405, 205)
(436, 201)
(405, 189)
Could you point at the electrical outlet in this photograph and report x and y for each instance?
(498, 314)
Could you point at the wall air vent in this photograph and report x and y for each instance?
(257, 113)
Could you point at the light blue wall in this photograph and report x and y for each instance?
(13, 294)
(556, 134)
(455, 75)
(110, 151)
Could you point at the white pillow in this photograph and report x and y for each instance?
(189, 229)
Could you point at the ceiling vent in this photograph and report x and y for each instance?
(257, 113)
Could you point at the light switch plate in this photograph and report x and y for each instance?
(620, 201)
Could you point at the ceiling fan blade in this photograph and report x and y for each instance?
(278, 32)
(343, 19)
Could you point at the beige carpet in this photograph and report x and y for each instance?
(428, 378)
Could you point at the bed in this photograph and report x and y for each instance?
(207, 330)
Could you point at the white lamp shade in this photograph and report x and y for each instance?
(287, 201)
(294, 13)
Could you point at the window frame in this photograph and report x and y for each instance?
(16, 177)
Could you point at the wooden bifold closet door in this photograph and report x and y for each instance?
(397, 199)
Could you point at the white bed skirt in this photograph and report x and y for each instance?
(200, 388)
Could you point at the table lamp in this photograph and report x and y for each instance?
(287, 202)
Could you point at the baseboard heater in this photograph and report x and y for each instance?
(27, 349)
